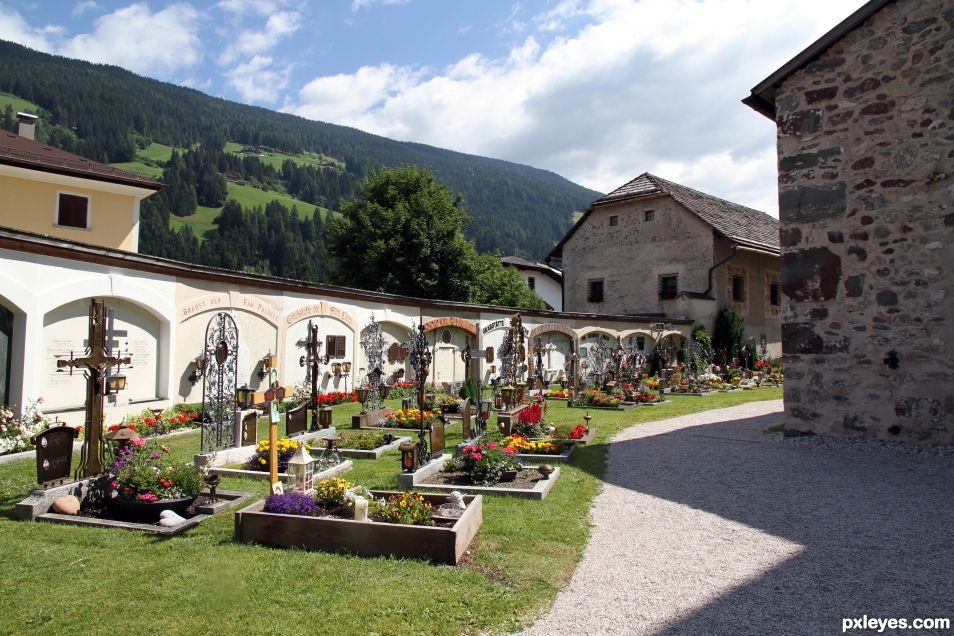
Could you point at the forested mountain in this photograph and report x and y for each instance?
(106, 113)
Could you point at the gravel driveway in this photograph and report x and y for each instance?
(706, 525)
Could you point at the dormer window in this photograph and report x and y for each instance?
(72, 210)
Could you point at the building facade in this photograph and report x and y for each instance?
(654, 247)
(544, 280)
(866, 184)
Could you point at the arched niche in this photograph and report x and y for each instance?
(134, 329)
(337, 340)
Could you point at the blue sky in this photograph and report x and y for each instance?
(597, 91)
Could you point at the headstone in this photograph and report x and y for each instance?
(465, 419)
(250, 429)
(296, 420)
(437, 436)
(54, 454)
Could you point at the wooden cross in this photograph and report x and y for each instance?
(312, 346)
(96, 363)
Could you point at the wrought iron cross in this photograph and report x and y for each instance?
(95, 364)
(312, 346)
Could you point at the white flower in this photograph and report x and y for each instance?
(8, 415)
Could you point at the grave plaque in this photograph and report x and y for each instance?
(437, 436)
(250, 429)
(296, 420)
(489, 355)
(465, 419)
(54, 454)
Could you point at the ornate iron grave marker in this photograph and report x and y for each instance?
(419, 355)
(373, 344)
(99, 383)
(54, 454)
(311, 361)
(219, 383)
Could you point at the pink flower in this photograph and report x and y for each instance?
(148, 496)
(476, 457)
(510, 451)
(114, 485)
(492, 445)
(138, 442)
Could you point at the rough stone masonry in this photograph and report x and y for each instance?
(866, 184)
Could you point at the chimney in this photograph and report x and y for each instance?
(27, 125)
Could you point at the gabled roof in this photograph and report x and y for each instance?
(762, 97)
(520, 263)
(26, 153)
(737, 223)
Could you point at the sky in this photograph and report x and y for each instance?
(597, 91)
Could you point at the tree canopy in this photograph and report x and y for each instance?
(406, 236)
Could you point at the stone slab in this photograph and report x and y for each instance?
(328, 473)
(367, 420)
(540, 458)
(408, 481)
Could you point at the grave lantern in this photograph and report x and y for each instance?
(507, 394)
(362, 398)
(243, 396)
(115, 383)
(408, 456)
(498, 401)
(122, 436)
(521, 390)
(383, 391)
(301, 467)
(324, 416)
(336, 369)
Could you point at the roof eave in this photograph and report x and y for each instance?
(762, 96)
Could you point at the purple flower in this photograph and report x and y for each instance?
(292, 503)
(155, 455)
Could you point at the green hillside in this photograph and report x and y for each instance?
(514, 208)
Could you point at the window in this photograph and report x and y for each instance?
(668, 286)
(775, 297)
(650, 215)
(596, 291)
(335, 346)
(614, 220)
(72, 210)
(531, 282)
(738, 288)
(641, 343)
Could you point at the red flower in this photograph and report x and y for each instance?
(476, 457)
(492, 445)
(510, 451)
(114, 427)
(150, 421)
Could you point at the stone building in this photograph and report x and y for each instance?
(544, 280)
(654, 247)
(865, 120)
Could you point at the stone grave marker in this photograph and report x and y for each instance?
(465, 416)
(54, 454)
(250, 429)
(296, 420)
(437, 436)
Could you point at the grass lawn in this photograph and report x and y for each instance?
(18, 104)
(275, 158)
(69, 580)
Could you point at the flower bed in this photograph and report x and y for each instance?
(367, 444)
(529, 483)
(539, 450)
(15, 433)
(598, 400)
(406, 418)
(444, 543)
(142, 472)
(286, 448)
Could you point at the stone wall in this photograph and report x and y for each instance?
(630, 256)
(866, 142)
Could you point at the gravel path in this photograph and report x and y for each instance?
(706, 525)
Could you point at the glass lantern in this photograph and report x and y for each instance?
(301, 467)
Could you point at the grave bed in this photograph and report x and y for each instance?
(244, 473)
(200, 511)
(586, 439)
(529, 484)
(364, 538)
(374, 453)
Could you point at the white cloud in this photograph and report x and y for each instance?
(255, 41)
(246, 7)
(14, 28)
(155, 44)
(648, 86)
(83, 7)
(258, 80)
(357, 5)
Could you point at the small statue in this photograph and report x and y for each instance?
(457, 499)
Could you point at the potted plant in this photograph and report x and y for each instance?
(145, 481)
(486, 463)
